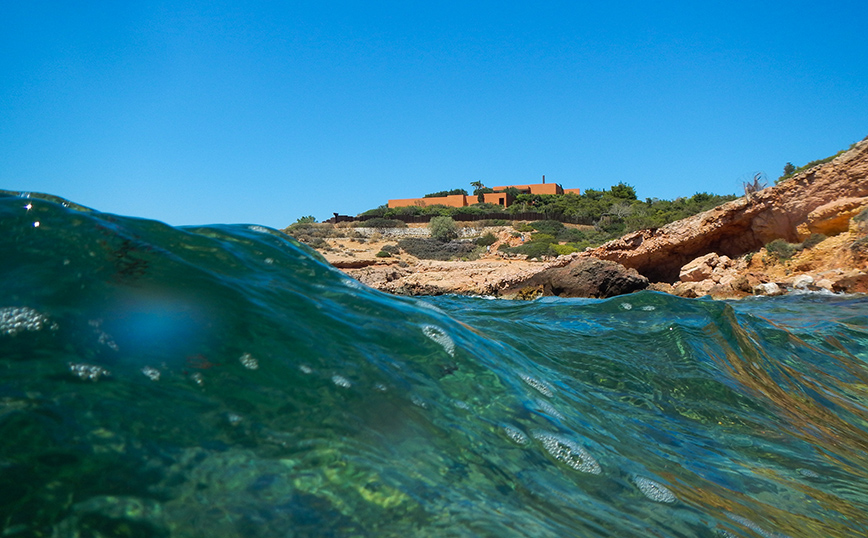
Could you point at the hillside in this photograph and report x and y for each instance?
(808, 231)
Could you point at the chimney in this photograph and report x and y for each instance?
(544, 179)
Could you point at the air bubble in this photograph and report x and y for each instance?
(626, 306)
(418, 402)
(248, 361)
(516, 436)
(341, 381)
(151, 373)
(305, 369)
(569, 452)
(654, 490)
(549, 409)
(438, 335)
(198, 379)
(540, 386)
(87, 372)
(16, 319)
(649, 308)
(808, 473)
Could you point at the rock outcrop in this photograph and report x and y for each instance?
(582, 277)
(746, 224)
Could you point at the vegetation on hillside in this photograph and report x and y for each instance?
(615, 210)
(790, 170)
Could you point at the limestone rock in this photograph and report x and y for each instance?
(743, 225)
(768, 288)
(584, 277)
(700, 268)
(834, 218)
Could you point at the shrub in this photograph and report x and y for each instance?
(438, 194)
(781, 250)
(487, 239)
(562, 250)
(552, 227)
(432, 249)
(443, 229)
(495, 222)
(813, 240)
(391, 249)
(383, 254)
(542, 238)
(523, 227)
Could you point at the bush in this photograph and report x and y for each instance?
(391, 249)
(781, 250)
(432, 249)
(523, 227)
(443, 229)
(552, 227)
(562, 250)
(495, 222)
(487, 239)
(813, 240)
(383, 254)
(534, 249)
(542, 238)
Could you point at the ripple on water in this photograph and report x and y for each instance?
(568, 451)
(655, 491)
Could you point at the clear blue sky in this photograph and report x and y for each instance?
(263, 112)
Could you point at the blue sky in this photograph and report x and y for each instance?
(263, 112)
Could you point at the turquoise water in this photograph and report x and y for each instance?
(222, 381)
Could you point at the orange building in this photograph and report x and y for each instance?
(499, 197)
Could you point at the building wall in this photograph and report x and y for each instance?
(535, 188)
(497, 198)
(573, 191)
(453, 200)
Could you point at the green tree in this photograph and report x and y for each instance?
(443, 228)
(306, 220)
(789, 169)
(623, 191)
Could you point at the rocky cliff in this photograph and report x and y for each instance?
(821, 199)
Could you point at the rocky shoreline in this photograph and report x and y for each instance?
(810, 232)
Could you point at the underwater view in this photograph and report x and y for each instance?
(224, 381)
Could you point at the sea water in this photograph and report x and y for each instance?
(224, 381)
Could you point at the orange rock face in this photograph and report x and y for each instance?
(746, 224)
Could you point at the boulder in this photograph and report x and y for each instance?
(582, 277)
(699, 269)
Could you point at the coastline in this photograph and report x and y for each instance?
(809, 232)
